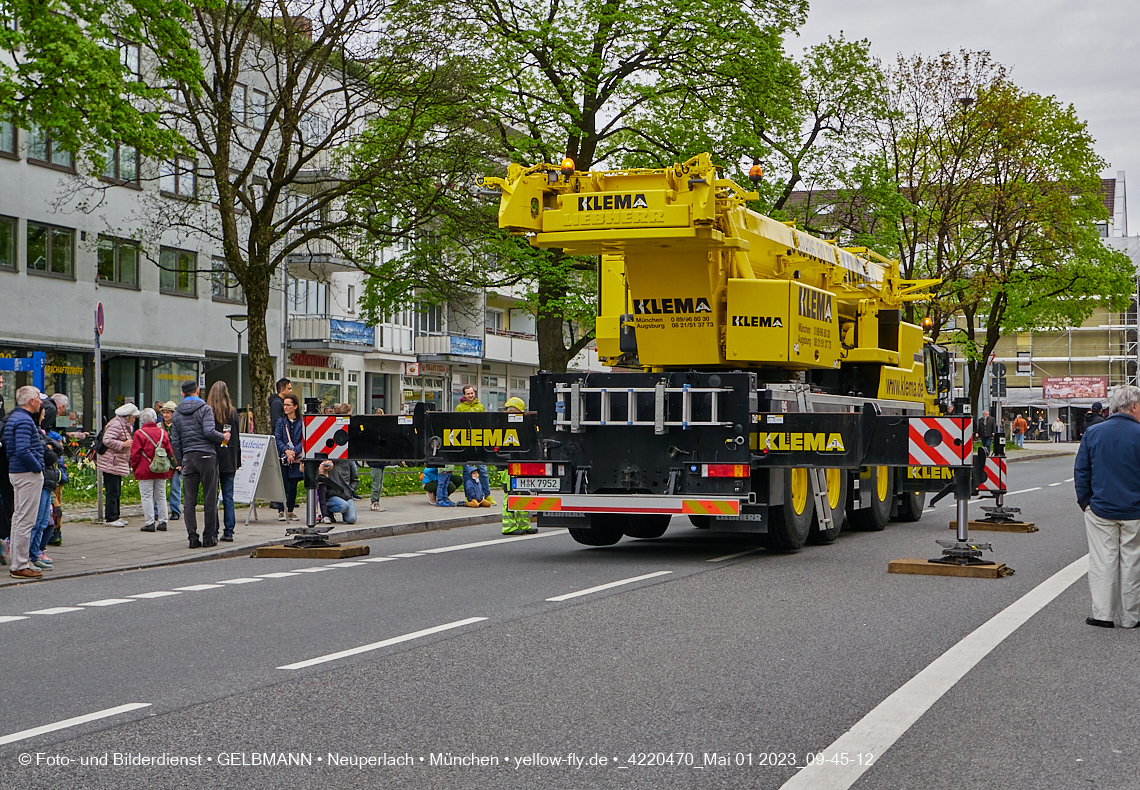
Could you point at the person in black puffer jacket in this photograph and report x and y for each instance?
(53, 451)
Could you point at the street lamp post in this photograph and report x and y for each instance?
(238, 318)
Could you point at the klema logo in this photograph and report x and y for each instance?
(815, 304)
(930, 473)
(671, 306)
(757, 320)
(480, 437)
(611, 202)
(818, 442)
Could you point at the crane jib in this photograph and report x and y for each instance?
(860, 270)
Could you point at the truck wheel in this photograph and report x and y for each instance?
(647, 525)
(790, 523)
(911, 504)
(701, 522)
(837, 498)
(606, 529)
(876, 486)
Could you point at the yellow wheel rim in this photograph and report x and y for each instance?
(882, 482)
(799, 490)
(834, 484)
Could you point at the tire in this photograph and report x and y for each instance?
(791, 523)
(605, 530)
(876, 484)
(647, 525)
(701, 522)
(837, 498)
(911, 504)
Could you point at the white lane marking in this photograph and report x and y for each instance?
(930, 510)
(377, 645)
(495, 542)
(108, 602)
(379, 559)
(878, 730)
(57, 610)
(317, 569)
(155, 594)
(734, 556)
(1055, 484)
(11, 617)
(1023, 491)
(199, 587)
(1069, 480)
(601, 587)
(412, 554)
(278, 575)
(244, 580)
(60, 725)
(345, 565)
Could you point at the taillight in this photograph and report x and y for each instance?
(724, 470)
(530, 470)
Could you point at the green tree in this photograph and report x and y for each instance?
(586, 80)
(72, 68)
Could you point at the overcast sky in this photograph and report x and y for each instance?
(1085, 53)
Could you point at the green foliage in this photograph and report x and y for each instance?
(65, 72)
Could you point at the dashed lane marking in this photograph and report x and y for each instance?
(108, 602)
(1055, 484)
(1069, 480)
(155, 594)
(601, 587)
(380, 559)
(410, 554)
(385, 643)
(495, 542)
(11, 618)
(734, 556)
(278, 575)
(243, 580)
(61, 725)
(57, 610)
(1023, 491)
(316, 569)
(345, 565)
(199, 587)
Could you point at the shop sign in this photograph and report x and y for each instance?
(341, 331)
(69, 370)
(466, 346)
(433, 367)
(1074, 387)
(310, 360)
(411, 368)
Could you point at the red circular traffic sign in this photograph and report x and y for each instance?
(99, 319)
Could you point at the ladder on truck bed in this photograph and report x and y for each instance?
(817, 476)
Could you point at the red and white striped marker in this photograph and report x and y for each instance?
(993, 478)
(941, 441)
(320, 433)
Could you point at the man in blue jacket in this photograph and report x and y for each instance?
(1107, 478)
(26, 471)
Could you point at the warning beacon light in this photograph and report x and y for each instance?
(927, 324)
(567, 167)
(755, 174)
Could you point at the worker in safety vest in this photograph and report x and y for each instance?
(514, 523)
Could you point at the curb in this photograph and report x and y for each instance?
(347, 535)
(1039, 456)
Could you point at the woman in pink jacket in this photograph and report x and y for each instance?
(115, 464)
(152, 485)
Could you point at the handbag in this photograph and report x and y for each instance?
(160, 464)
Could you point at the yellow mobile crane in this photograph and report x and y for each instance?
(734, 324)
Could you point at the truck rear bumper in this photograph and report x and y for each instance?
(632, 503)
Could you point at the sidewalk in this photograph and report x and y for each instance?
(90, 548)
(1037, 450)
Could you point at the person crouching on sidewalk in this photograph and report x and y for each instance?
(473, 489)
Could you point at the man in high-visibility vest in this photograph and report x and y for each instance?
(515, 522)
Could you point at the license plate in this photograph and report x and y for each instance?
(535, 483)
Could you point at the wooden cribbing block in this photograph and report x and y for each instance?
(929, 568)
(997, 526)
(323, 553)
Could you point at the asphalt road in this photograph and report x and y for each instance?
(699, 676)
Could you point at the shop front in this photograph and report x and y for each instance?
(426, 383)
(68, 373)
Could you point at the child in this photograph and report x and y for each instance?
(473, 489)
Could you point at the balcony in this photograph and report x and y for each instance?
(449, 348)
(332, 333)
(511, 347)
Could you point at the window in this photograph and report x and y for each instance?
(129, 58)
(429, 318)
(494, 321)
(226, 286)
(118, 262)
(50, 250)
(122, 164)
(178, 275)
(258, 104)
(7, 139)
(237, 103)
(308, 297)
(178, 177)
(351, 299)
(8, 243)
(42, 149)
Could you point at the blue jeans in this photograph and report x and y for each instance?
(40, 534)
(228, 517)
(484, 480)
(1019, 439)
(176, 495)
(346, 508)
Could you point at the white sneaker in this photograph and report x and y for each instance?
(119, 523)
(376, 507)
(294, 517)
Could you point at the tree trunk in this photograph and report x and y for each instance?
(553, 356)
(260, 362)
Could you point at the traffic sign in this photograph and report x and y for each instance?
(99, 319)
(999, 369)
